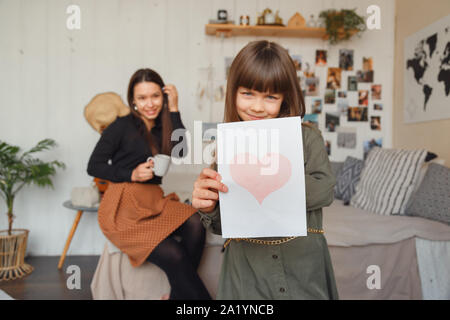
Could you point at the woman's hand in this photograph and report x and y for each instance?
(143, 172)
(206, 190)
(172, 95)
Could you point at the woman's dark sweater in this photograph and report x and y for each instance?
(122, 143)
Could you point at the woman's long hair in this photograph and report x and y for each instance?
(266, 67)
(163, 119)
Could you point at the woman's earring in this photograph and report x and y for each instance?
(135, 107)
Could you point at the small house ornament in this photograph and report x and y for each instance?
(296, 21)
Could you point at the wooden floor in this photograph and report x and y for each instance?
(46, 282)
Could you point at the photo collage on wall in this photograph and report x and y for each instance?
(334, 101)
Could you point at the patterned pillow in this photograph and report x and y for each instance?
(347, 179)
(387, 180)
(432, 199)
(336, 167)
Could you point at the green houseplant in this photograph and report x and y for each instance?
(17, 171)
(342, 25)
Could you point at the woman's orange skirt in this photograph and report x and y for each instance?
(136, 217)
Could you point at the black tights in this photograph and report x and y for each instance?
(180, 260)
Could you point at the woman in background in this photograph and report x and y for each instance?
(134, 214)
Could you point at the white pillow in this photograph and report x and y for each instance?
(387, 180)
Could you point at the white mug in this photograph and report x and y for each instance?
(162, 164)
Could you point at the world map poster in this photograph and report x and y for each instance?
(427, 73)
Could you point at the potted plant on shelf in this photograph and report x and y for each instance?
(341, 25)
(15, 173)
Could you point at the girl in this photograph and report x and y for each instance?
(262, 84)
(134, 214)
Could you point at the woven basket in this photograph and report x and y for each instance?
(12, 254)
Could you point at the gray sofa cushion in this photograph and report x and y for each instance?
(347, 179)
(432, 199)
(336, 167)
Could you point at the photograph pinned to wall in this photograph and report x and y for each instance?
(330, 96)
(308, 72)
(376, 91)
(332, 120)
(312, 86)
(369, 144)
(364, 76)
(378, 106)
(363, 97)
(367, 64)
(321, 58)
(346, 137)
(334, 78)
(297, 61)
(346, 59)
(352, 83)
(375, 123)
(342, 105)
(328, 146)
(426, 73)
(342, 94)
(357, 114)
(312, 118)
(228, 62)
(316, 105)
(301, 80)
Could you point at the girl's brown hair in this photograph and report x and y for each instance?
(266, 67)
(163, 119)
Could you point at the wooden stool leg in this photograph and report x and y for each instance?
(69, 238)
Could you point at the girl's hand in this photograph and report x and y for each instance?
(206, 190)
(172, 96)
(143, 172)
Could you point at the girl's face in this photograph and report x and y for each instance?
(256, 105)
(148, 99)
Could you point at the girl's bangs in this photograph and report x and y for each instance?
(264, 74)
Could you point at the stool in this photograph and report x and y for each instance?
(68, 204)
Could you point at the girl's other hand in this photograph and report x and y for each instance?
(206, 190)
(143, 172)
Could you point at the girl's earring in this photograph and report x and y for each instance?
(135, 107)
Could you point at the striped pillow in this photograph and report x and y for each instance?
(387, 180)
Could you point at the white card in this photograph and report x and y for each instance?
(261, 163)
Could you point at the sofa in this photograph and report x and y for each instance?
(375, 254)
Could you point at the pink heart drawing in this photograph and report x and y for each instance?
(246, 171)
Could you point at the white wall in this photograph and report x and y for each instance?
(49, 73)
(413, 16)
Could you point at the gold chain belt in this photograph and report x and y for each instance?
(270, 242)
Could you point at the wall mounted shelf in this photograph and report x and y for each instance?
(231, 30)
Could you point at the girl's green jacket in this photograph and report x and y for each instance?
(297, 269)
